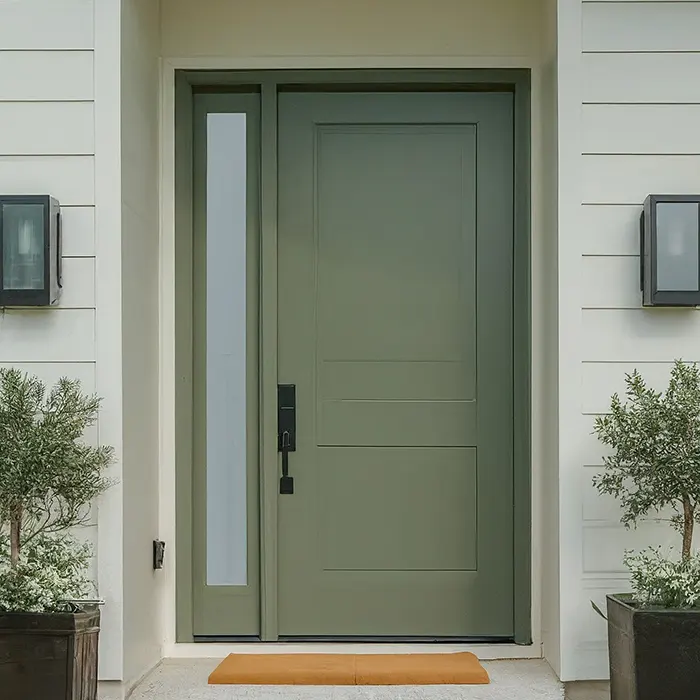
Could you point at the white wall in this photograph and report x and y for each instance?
(629, 116)
(47, 146)
(139, 309)
(237, 28)
(56, 138)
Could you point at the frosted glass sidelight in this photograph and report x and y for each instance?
(677, 246)
(23, 246)
(227, 550)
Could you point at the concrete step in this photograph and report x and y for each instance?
(184, 679)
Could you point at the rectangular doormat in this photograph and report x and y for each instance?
(462, 668)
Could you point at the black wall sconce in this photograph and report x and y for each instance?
(670, 250)
(30, 250)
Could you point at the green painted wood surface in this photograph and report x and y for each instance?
(268, 363)
(395, 264)
(225, 610)
(184, 134)
(522, 362)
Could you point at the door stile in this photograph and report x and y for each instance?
(268, 363)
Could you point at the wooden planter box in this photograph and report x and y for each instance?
(49, 656)
(654, 654)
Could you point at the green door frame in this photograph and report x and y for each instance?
(269, 83)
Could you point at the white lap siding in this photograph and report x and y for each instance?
(47, 146)
(59, 69)
(636, 132)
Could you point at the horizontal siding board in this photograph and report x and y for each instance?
(46, 24)
(47, 128)
(604, 509)
(618, 179)
(641, 78)
(78, 283)
(597, 507)
(51, 372)
(78, 229)
(610, 282)
(600, 380)
(591, 450)
(47, 335)
(610, 230)
(87, 533)
(32, 75)
(641, 129)
(604, 546)
(590, 627)
(640, 335)
(641, 26)
(71, 179)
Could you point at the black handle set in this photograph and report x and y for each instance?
(286, 431)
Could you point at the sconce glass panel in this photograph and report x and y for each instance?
(677, 246)
(23, 246)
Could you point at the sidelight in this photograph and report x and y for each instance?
(226, 221)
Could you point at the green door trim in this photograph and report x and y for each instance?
(184, 396)
(522, 330)
(218, 607)
(270, 83)
(268, 364)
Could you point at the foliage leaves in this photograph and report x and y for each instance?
(44, 467)
(659, 580)
(48, 479)
(52, 571)
(655, 441)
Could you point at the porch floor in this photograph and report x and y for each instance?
(186, 679)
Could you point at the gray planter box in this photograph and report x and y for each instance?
(49, 656)
(654, 653)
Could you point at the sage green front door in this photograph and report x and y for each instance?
(395, 259)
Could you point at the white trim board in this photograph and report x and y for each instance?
(107, 329)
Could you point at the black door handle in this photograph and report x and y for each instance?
(286, 432)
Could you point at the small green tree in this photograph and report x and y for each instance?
(655, 441)
(48, 476)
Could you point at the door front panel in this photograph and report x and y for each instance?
(395, 250)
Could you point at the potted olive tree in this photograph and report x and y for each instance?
(48, 479)
(654, 470)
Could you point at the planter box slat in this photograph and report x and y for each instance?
(51, 656)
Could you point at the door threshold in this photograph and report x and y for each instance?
(217, 650)
(341, 639)
(353, 639)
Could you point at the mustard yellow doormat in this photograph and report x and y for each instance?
(350, 669)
